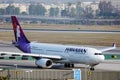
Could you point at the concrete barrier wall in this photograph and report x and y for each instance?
(52, 74)
(38, 74)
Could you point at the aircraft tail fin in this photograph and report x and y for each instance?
(18, 32)
(20, 39)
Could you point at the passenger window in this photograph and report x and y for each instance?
(98, 53)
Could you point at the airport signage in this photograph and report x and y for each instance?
(77, 74)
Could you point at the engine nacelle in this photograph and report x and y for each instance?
(44, 63)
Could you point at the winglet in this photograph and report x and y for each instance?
(114, 45)
(109, 48)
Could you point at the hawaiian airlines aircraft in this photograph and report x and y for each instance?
(47, 54)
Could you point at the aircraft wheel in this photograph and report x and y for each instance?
(92, 69)
(39, 67)
(65, 65)
(72, 65)
(69, 65)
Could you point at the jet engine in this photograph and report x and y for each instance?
(44, 63)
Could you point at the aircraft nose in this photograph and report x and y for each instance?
(101, 58)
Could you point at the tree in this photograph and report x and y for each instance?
(54, 11)
(64, 13)
(31, 9)
(2, 11)
(37, 10)
(80, 10)
(24, 13)
(12, 10)
(72, 12)
(40, 10)
(106, 9)
(88, 12)
(16, 10)
(69, 11)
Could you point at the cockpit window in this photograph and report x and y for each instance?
(98, 53)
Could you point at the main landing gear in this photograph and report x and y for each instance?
(69, 65)
(92, 68)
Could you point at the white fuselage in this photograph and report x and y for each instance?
(70, 54)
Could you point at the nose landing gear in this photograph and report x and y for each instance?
(92, 67)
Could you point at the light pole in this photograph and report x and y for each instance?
(16, 71)
(86, 72)
(28, 73)
(15, 66)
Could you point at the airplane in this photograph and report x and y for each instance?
(46, 54)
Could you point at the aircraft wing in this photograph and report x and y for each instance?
(109, 48)
(31, 55)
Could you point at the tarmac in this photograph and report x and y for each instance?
(14, 69)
